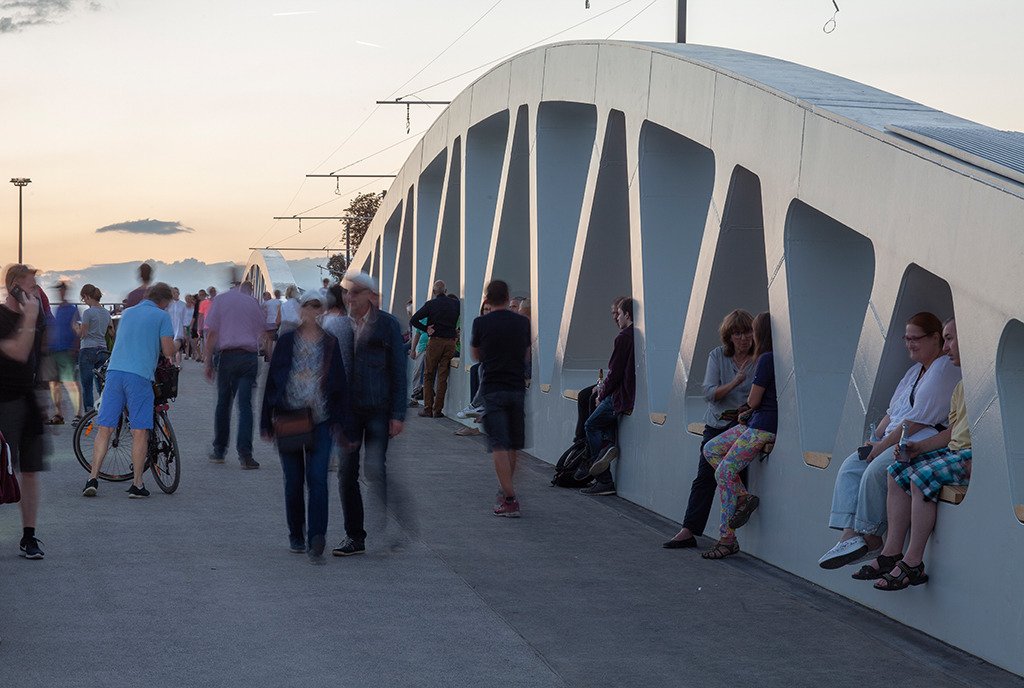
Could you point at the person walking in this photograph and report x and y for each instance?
(305, 385)
(64, 345)
(234, 329)
(439, 318)
(22, 333)
(376, 404)
(501, 342)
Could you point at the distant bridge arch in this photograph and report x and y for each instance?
(699, 180)
(268, 271)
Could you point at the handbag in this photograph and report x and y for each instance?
(294, 430)
(10, 491)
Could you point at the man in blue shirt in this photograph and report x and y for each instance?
(145, 331)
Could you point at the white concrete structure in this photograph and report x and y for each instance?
(267, 270)
(699, 180)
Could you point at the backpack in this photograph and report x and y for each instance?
(10, 492)
(567, 465)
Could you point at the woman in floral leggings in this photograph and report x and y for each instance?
(730, 452)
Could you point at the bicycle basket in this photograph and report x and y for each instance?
(166, 385)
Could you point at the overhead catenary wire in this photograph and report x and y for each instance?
(373, 112)
(512, 54)
(630, 20)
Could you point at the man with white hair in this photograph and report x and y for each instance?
(376, 402)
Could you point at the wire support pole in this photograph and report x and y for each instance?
(372, 176)
(681, 22)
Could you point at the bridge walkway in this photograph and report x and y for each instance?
(199, 589)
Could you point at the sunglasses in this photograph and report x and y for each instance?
(311, 304)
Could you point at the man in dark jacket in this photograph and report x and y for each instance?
(377, 406)
(439, 318)
(616, 396)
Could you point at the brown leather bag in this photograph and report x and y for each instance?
(294, 430)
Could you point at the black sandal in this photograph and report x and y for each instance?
(745, 506)
(908, 575)
(721, 550)
(885, 565)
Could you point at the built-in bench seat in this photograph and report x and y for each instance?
(698, 429)
(953, 494)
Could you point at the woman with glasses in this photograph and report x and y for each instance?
(307, 390)
(921, 401)
(726, 386)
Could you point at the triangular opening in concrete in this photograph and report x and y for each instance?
(739, 278)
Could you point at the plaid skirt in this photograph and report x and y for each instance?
(931, 471)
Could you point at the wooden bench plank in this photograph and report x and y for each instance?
(573, 394)
(659, 418)
(817, 459)
(953, 494)
(454, 363)
(545, 388)
(695, 429)
(1019, 511)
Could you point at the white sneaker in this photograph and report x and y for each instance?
(843, 553)
(469, 412)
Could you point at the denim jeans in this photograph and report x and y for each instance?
(600, 428)
(236, 374)
(304, 471)
(87, 360)
(858, 499)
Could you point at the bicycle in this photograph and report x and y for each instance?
(163, 457)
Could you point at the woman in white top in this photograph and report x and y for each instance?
(921, 400)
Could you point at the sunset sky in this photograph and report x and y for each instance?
(172, 130)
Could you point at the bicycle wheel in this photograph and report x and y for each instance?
(117, 465)
(164, 457)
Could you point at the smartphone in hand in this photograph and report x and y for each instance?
(862, 452)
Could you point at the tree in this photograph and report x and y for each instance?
(336, 266)
(364, 205)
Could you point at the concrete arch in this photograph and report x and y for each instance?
(783, 177)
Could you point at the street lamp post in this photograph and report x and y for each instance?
(21, 183)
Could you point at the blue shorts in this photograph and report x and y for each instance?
(126, 390)
(505, 419)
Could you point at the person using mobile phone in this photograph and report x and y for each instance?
(22, 333)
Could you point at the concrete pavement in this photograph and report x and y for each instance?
(199, 588)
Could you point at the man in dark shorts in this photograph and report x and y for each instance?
(501, 343)
(22, 332)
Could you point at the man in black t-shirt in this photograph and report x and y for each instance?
(501, 343)
(22, 332)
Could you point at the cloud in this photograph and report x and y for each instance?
(147, 227)
(16, 15)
